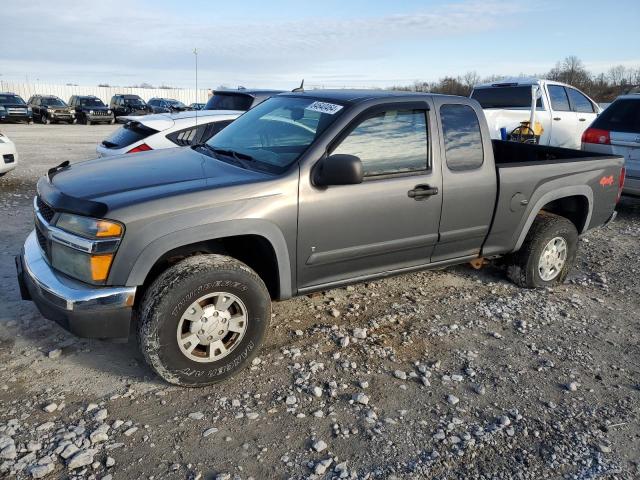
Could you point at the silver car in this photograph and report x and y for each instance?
(617, 131)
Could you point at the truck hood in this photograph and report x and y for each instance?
(97, 186)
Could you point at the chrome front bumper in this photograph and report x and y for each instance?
(85, 310)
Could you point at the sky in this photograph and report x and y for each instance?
(329, 43)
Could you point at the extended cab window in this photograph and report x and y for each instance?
(389, 142)
(579, 103)
(559, 100)
(462, 137)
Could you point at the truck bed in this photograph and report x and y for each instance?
(512, 152)
(532, 177)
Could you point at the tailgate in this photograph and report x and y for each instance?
(627, 145)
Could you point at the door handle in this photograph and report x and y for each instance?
(582, 119)
(422, 191)
(557, 119)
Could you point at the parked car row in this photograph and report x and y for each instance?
(90, 109)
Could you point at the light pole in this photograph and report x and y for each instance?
(195, 53)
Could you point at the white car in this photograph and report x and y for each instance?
(8, 155)
(617, 132)
(164, 130)
(564, 112)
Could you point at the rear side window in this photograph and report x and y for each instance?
(390, 142)
(505, 97)
(623, 115)
(128, 134)
(223, 101)
(462, 137)
(197, 135)
(579, 103)
(559, 99)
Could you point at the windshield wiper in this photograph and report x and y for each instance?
(231, 153)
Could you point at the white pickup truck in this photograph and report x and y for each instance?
(563, 111)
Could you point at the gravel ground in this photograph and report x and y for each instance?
(447, 374)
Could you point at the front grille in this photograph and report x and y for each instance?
(100, 112)
(16, 111)
(42, 241)
(8, 158)
(45, 210)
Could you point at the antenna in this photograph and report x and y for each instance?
(300, 88)
(195, 53)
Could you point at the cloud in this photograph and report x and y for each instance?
(116, 40)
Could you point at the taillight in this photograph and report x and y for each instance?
(596, 135)
(143, 147)
(623, 173)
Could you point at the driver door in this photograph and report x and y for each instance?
(349, 232)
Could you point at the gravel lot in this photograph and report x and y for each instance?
(447, 374)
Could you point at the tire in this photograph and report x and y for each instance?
(46, 120)
(168, 303)
(528, 267)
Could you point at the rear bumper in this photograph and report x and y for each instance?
(86, 311)
(631, 186)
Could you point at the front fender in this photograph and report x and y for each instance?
(201, 233)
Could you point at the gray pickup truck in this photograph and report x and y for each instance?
(307, 191)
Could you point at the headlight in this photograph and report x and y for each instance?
(2, 108)
(89, 227)
(108, 111)
(88, 258)
(90, 112)
(29, 110)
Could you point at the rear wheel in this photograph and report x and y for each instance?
(203, 320)
(547, 254)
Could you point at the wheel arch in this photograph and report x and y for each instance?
(574, 203)
(258, 243)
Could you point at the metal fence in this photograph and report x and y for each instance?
(26, 90)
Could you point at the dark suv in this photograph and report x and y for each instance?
(241, 99)
(125, 104)
(166, 105)
(90, 109)
(51, 109)
(13, 108)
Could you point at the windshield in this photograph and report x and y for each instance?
(91, 102)
(229, 101)
(505, 97)
(53, 102)
(11, 100)
(133, 101)
(276, 132)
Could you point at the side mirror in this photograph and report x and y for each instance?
(338, 169)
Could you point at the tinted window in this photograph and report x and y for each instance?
(10, 99)
(505, 97)
(229, 101)
(275, 133)
(133, 100)
(462, 138)
(579, 103)
(53, 102)
(91, 102)
(559, 100)
(623, 115)
(390, 142)
(126, 135)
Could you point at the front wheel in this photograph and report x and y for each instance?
(203, 320)
(547, 254)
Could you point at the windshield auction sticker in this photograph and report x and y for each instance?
(323, 107)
